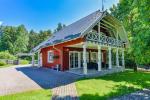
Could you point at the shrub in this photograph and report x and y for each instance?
(130, 63)
(2, 63)
(6, 55)
(24, 62)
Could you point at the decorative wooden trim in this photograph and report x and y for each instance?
(103, 39)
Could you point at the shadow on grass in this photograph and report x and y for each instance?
(120, 90)
(140, 79)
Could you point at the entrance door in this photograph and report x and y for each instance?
(74, 59)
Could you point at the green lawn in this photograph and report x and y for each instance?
(31, 95)
(112, 85)
(8, 65)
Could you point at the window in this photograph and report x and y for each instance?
(50, 56)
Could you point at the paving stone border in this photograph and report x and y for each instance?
(66, 92)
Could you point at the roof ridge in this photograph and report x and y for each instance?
(78, 21)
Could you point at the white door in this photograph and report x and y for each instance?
(74, 59)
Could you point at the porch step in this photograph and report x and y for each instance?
(95, 73)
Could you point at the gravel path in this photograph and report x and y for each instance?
(139, 95)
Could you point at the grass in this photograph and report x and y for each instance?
(105, 87)
(31, 95)
(7, 65)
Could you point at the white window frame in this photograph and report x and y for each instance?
(48, 55)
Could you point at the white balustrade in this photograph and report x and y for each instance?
(103, 39)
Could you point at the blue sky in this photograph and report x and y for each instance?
(45, 14)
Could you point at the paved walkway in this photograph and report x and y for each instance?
(139, 95)
(20, 79)
(66, 92)
(13, 81)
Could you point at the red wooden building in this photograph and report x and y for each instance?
(96, 41)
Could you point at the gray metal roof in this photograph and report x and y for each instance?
(72, 31)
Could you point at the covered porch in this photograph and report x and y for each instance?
(109, 46)
(90, 58)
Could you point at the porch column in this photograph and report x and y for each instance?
(33, 63)
(99, 58)
(110, 63)
(38, 58)
(84, 59)
(79, 60)
(123, 63)
(117, 58)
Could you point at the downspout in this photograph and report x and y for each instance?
(60, 51)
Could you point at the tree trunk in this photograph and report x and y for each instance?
(135, 68)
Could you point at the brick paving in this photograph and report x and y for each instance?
(13, 81)
(66, 92)
(48, 78)
(21, 79)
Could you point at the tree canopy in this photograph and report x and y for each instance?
(135, 16)
(59, 27)
(14, 39)
(18, 39)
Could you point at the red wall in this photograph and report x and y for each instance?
(64, 54)
(45, 50)
(45, 54)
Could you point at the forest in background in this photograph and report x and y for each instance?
(18, 39)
